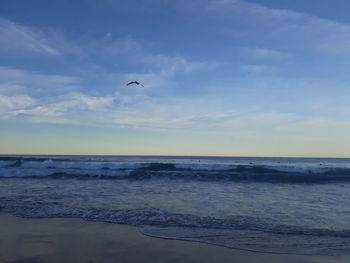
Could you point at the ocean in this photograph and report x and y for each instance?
(272, 205)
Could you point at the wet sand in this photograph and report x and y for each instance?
(75, 240)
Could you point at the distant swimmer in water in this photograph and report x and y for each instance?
(134, 82)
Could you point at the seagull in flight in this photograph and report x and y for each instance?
(134, 82)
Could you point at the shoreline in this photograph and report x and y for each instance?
(78, 240)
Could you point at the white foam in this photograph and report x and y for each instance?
(300, 169)
(30, 172)
(207, 167)
(81, 165)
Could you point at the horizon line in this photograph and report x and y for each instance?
(160, 155)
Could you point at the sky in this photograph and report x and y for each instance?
(221, 77)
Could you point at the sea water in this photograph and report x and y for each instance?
(276, 205)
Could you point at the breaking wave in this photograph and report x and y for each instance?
(65, 168)
(277, 205)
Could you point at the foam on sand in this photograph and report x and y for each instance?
(76, 240)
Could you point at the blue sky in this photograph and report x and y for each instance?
(221, 77)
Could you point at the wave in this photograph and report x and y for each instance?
(58, 167)
(6, 163)
(239, 232)
(259, 174)
(81, 165)
(153, 216)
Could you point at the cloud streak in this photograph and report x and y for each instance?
(279, 28)
(13, 78)
(15, 37)
(266, 54)
(10, 103)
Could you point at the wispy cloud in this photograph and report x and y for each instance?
(23, 91)
(318, 127)
(15, 37)
(117, 47)
(175, 64)
(140, 110)
(280, 28)
(256, 68)
(10, 88)
(151, 80)
(145, 111)
(162, 69)
(266, 54)
(125, 58)
(12, 78)
(165, 69)
(10, 103)
(68, 104)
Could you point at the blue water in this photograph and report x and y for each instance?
(278, 205)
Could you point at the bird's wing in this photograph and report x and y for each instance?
(134, 82)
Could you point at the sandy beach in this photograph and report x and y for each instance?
(77, 240)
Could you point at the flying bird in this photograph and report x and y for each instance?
(134, 82)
